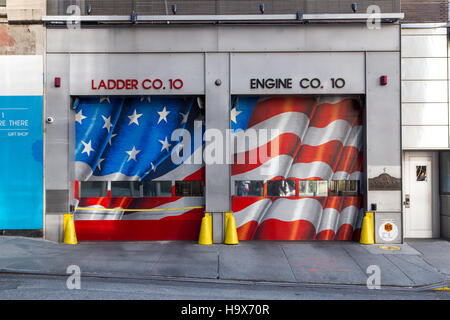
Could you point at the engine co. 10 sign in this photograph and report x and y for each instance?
(134, 84)
(288, 83)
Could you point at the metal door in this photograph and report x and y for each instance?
(418, 198)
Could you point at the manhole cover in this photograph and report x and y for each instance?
(390, 248)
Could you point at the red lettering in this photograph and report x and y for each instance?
(134, 84)
(120, 84)
(128, 83)
(157, 84)
(111, 84)
(92, 85)
(102, 85)
(146, 87)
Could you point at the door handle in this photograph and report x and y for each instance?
(407, 202)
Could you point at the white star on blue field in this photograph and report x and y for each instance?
(132, 136)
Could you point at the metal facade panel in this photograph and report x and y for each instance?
(57, 133)
(388, 227)
(383, 149)
(425, 114)
(425, 137)
(264, 38)
(424, 46)
(301, 68)
(217, 117)
(425, 91)
(423, 29)
(383, 109)
(424, 68)
(87, 71)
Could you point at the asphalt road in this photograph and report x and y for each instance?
(17, 286)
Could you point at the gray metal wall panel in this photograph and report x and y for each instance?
(383, 127)
(53, 230)
(351, 37)
(349, 66)
(217, 102)
(189, 67)
(56, 201)
(217, 117)
(57, 133)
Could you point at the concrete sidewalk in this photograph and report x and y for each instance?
(419, 263)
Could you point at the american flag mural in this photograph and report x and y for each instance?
(131, 139)
(319, 139)
(134, 138)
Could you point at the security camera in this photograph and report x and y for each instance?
(354, 7)
(50, 120)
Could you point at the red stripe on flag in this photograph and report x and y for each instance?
(198, 175)
(288, 144)
(241, 203)
(345, 233)
(271, 107)
(349, 156)
(246, 231)
(274, 229)
(326, 235)
(326, 113)
(323, 153)
(185, 227)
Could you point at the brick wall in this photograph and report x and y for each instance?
(420, 11)
(21, 29)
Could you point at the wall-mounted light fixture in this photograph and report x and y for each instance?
(133, 18)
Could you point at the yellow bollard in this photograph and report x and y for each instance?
(231, 236)
(205, 237)
(367, 236)
(70, 236)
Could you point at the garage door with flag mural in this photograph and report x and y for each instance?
(309, 186)
(136, 178)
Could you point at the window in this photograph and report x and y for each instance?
(421, 173)
(93, 189)
(157, 188)
(345, 188)
(125, 189)
(2, 3)
(281, 188)
(313, 188)
(249, 188)
(189, 188)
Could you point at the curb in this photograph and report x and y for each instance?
(441, 286)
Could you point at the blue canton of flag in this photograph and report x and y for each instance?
(130, 138)
(241, 111)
